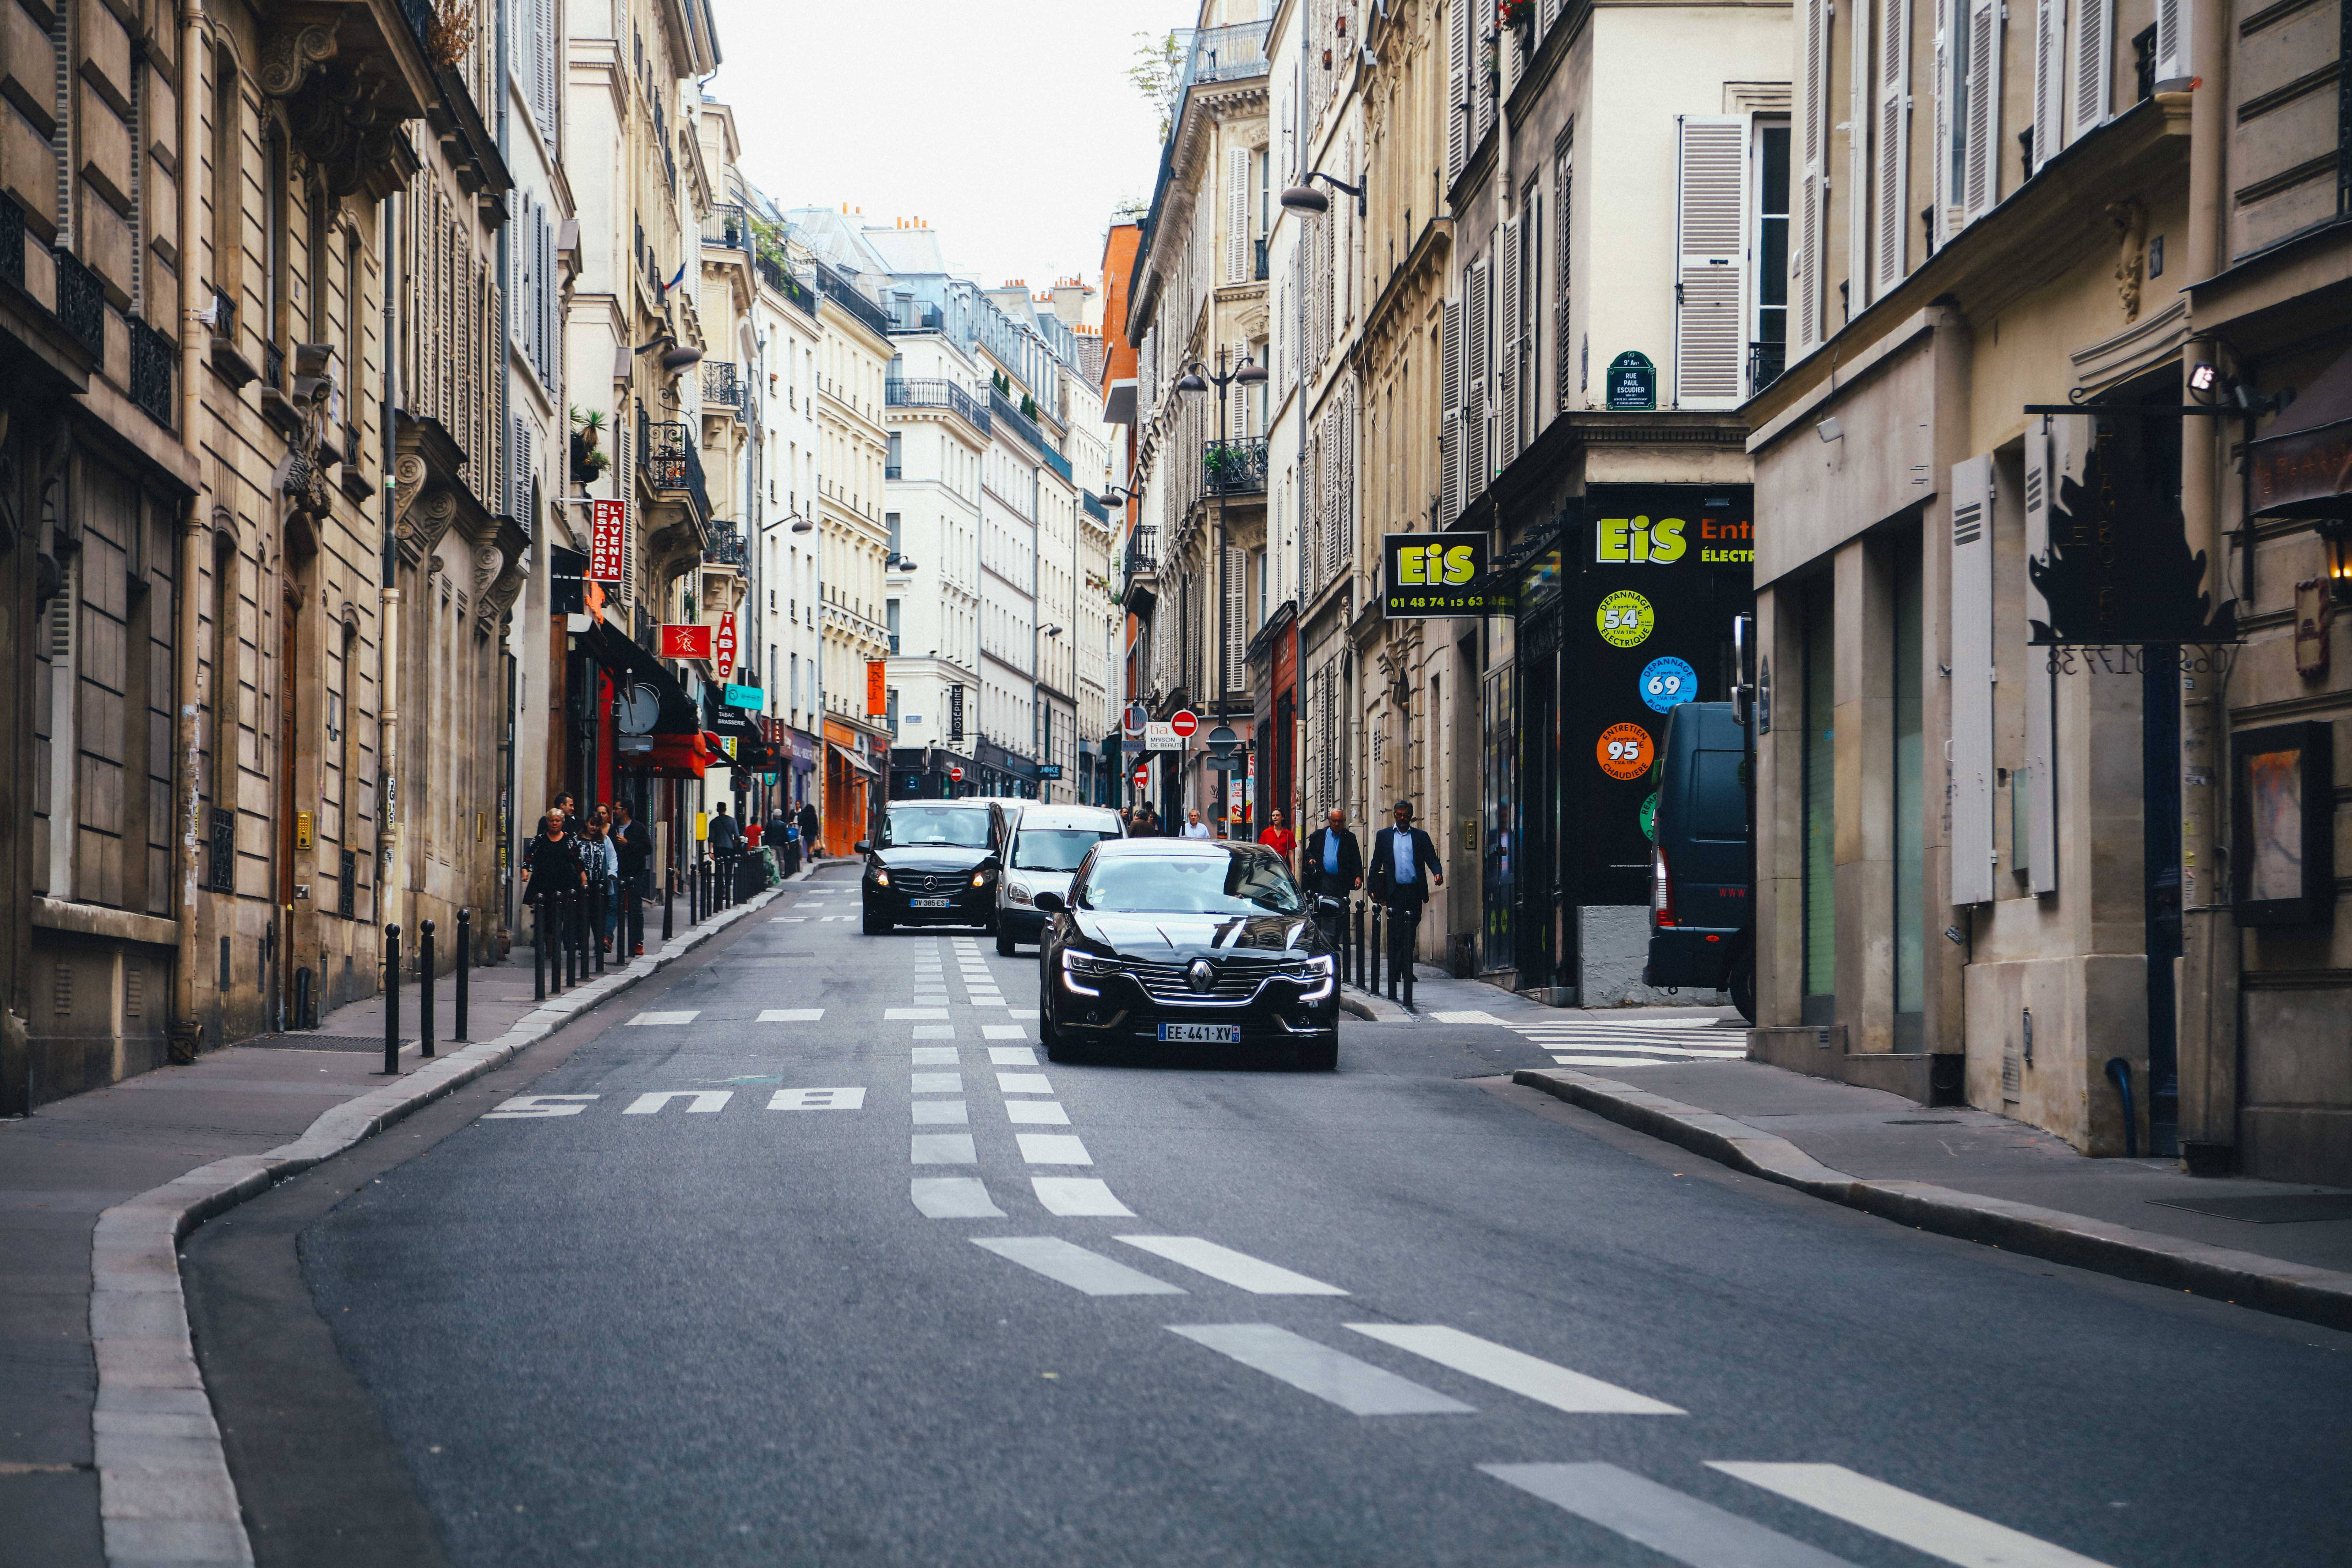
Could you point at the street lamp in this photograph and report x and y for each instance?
(1306, 199)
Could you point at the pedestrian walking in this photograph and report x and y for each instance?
(781, 840)
(550, 861)
(1277, 836)
(1404, 869)
(809, 845)
(1193, 827)
(633, 850)
(600, 871)
(1332, 861)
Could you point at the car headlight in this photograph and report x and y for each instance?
(980, 877)
(1315, 973)
(881, 878)
(1080, 967)
(1019, 893)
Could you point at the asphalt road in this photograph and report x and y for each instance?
(848, 1289)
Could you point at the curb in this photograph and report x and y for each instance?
(165, 1496)
(1376, 1008)
(2297, 1291)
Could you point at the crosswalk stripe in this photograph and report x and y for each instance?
(1356, 1386)
(1003, 1032)
(1237, 1268)
(944, 1148)
(1078, 1197)
(656, 1020)
(939, 1113)
(1037, 1113)
(1666, 1521)
(790, 1014)
(1052, 1149)
(953, 1197)
(1022, 1013)
(1466, 1017)
(1609, 1062)
(988, 1001)
(934, 1056)
(1921, 1523)
(936, 1083)
(891, 1012)
(836, 917)
(1069, 1264)
(788, 919)
(1515, 1370)
(1023, 1083)
(1012, 1057)
(704, 1101)
(934, 1031)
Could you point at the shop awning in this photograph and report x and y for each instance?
(669, 757)
(853, 760)
(643, 684)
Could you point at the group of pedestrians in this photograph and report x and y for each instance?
(1403, 871)
(609, 851)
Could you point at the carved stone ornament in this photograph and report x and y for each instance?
(340, 124)
(2131, 257)
(289, 55)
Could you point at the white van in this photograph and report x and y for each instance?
(1045, 844)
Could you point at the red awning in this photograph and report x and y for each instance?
(670, 757)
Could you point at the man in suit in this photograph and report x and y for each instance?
(635, 847)
(1404, 869)
(1331, 864)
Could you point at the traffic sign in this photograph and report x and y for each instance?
(1221, 741)
(1137, 716)
(1143, 777)
(955, 775)
(1185, 722)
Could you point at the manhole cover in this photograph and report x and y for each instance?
(2292, 1209)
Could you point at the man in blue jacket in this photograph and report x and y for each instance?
(1404, 869)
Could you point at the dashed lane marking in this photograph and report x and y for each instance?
(1022, 1013)
(944, 1148)
(1003, 1032)
(1012, 1056)
(934, 1031)
(1037, 1113)
(1466, 1017)
(936, 1083)
(1236, 1268)
(1356, 1386)
(933, 1056)
(1515, 1370)
(817, 1099)
(790, 1014)
(953, 1197)
(1052, 1149)
(1078, 1198)
(1069, 1264)
(1921, 1523)
(1661, 1519)
(939, 1113)
(657, 1020)
(704, 1101)
(890, 1013)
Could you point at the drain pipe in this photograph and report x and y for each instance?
(187, 1030)
(2119, 1074)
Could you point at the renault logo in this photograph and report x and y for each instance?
(1200, 976)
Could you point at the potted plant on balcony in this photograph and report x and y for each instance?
(587, 461)
(1226, 464)
(1515, 13)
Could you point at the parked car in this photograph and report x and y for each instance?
(936, 863)
(1196, 942)
(1042, 845)
(1701, 918)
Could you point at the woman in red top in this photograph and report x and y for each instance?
(1277, 837)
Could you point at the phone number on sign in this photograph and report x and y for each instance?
(2133, 658)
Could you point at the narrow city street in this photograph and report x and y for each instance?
(802, 1253)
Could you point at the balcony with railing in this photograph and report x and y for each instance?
(843, 292)
(918, 316)
(931, 392)
(779, 277)
(727, 547)
(1233, 468)
(727, 224)
(1141, 544)
(82, 303)
(1765, 364)
(1227, 54)
(721, 387)
(151, 354)
(1027, 428)
(1091, 504)
(673, 464)
(12, 242)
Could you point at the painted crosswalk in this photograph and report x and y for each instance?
(1078, 1197)
(1354, 1386)
(1070, 1263)
(1650, 1042)
(1669, 1523)
(1517, 1371)
(1921, 1523)
(1238, 1269)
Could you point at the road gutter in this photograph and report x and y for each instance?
(165, 1496)
(2297, 1291)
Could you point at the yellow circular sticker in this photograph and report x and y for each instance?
(1625, 751)
(1626, 619)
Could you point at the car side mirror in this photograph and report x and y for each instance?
(1050, 903)
(863, 846)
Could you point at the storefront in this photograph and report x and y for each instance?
(1619, 609)
(852, 780)
(1274, 681)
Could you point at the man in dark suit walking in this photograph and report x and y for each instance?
(634, 846)
(1404, 869)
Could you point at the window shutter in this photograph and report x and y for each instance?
(1506, 347)
(1449, 429)
(1563, 192)
(1481, 81)
(1457, 87)
(1894, 147)
(1805, 262)
(1945, 193)
(2172, 58)
(2094, 69)
(2049, 79)
(1710, 288)
(1859, 73)
(1981, 168)
(2044, 461)
(1972, 676)
(1237, 420)
(1238, 215)
(1236, 673)
(1474, 473)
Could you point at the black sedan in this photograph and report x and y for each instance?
(935, 864)
(1187, 941)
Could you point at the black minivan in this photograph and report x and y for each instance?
(1701, 925)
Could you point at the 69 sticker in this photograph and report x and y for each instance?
(1626, 619)
(1667, 681)
(1625, 751)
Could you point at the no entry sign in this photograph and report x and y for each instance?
(1185, 722)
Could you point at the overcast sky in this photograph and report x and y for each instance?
(1009, 124)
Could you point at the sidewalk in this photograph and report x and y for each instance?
(76, 1159)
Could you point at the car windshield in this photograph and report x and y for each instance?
(958, 826)
(1249, 881)
(1055, 849)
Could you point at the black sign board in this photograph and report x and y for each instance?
(955, 712)
(565, 571)
(1632, 383)
(1432, 576)
(1049, 770)
(2119, 568)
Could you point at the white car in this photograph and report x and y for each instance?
(1044, 845)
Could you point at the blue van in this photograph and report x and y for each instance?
(1701, 922)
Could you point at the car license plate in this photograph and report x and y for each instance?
(929, 903)
(1201, 1034)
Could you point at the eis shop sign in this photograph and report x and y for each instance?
(1661, 541)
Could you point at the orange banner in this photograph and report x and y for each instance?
(877, 688)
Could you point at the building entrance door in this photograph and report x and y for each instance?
(1542, 930)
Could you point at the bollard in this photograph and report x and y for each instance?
(465, 962)
(1372, 953)
(539, 953)
(424, 987)
(392, 1001)
(670, 901)
(561, 899)
(1356, 941)
(597, 922)
(1411, 942)
(693, 894)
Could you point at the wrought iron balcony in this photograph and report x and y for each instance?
(1228, 53)
(82, 303)
(727, 547)
(1260, 275)
(12, 242)
(780, 278)
(1141, 543)
(1233, 468)
(151, 354)
(893, 471)
(1765, 362)
(721, 385)
(1027, 428)
(843, 292)
(929, 392)
(273, 366)
(728, 225)
(672, 462)
(1094, 508)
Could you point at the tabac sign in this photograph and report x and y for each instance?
(1432, 576)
